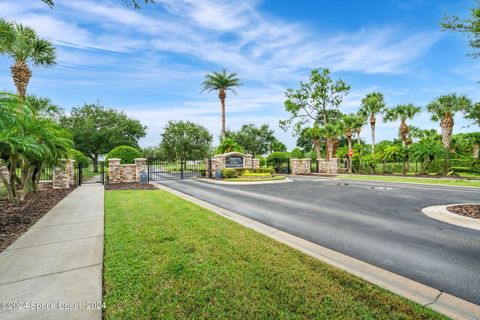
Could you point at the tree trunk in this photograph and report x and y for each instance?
(403, 132)
(349, 157)
(21, 75)
(330, 143)
(13, 175)
(222, 95)
(372, 127)
(447, 128)
(316, 144)
(475, 150)
(27, 181)
(5, 179)
(95, 163)
(357, 131)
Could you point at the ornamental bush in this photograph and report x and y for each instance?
(127, 154)
(265, 170)
(79, 157)
(257, 175)
(229, 173)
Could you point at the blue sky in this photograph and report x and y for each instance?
(151, 62)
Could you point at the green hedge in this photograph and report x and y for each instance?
(257, 175)
(229, 173)
(127, 154)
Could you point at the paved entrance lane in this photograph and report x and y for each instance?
(383, 227)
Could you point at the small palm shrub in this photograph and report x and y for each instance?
(127, 154)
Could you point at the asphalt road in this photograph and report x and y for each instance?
(379, 223)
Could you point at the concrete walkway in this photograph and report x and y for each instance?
(54, 270)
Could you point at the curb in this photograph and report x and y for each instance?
(435, 299)
(441, 213)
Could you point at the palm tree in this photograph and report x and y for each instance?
(330, 132)
(24, 47)
(350, 123)
(443, 109)
(221, 81)
(402, 112)
(372, 104)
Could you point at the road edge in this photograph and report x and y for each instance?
(435, 299)
(442, 214)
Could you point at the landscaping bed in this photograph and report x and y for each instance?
(166, 258)
(466, 210)
(254, 179)
(129, 186)
(17, 219)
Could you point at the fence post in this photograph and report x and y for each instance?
(148, 170)
(80, 173)
(181, 169)
(102, 172)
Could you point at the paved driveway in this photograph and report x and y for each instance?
(380, 223)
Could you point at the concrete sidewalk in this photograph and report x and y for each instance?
(54, 270)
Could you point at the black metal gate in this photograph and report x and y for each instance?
(176, 170)
(86, 174)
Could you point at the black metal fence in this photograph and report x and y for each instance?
(175, 170)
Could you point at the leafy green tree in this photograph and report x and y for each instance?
(443, 109)
(25, 48)
(96, 130)
(296, 154)
(277, 159)
(372, 104)
(254, 140)
(402, 112)
(221, 82)
(185, 140)
(469, 26)
(314, 103)
(277, 146)
(473, 113)
(137, 4)
(44, 107)
(229, 144)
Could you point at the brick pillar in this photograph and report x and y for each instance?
(328, 166)
(64, 175)
(114, 174)
(247, 161)
(141, 166)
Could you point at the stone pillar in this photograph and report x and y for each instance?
(140, 166)
(247, 161)
(114, 174)
(330, 167)
(255, 163)
(300, 166)
(64, 175)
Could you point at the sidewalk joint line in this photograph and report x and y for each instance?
(51, 274)
(50, 243)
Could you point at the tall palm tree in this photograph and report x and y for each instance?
(402, 112)
(443, 109)
(349, 124)
(221, 82)
(25, 48)
(330, 132)
(372, 104)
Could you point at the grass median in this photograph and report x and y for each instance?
(438, 181)
(166, 258)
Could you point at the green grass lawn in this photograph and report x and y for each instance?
(448, 182)
(166, 258)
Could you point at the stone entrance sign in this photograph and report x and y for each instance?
(235, 160)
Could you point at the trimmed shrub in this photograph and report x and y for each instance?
(265, 170)
(229, 173)
(127, 154)
(257, 175)
(79, 157)
(296, 154)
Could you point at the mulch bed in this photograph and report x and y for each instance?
(467, 210)
(129, 186)
(15, 219)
